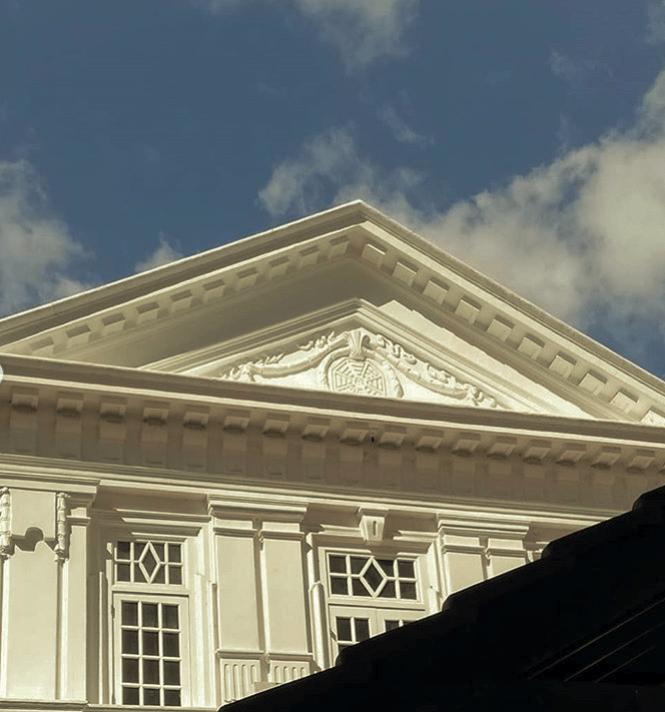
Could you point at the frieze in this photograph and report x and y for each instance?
(362, 363)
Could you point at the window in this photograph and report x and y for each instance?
(150, 608)
(370, 595)
(369, 577)
(350, 629)
(150, 652)
(148, 562)
(352, 625)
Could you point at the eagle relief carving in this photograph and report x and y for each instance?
(362, 363)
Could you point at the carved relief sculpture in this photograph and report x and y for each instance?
(361, 363)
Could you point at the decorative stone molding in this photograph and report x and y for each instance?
(372, 524)
(5, 523)
(177, 299)
(210, 434)
(154, 433)
(462, 294)
(361, 363)
(61, 526)
(286, 667)
(54, 532)
(653, 417)
(240, 673)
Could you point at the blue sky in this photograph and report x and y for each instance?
(525, 138)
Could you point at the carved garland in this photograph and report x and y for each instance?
(363, 363)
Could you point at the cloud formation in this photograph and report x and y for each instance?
(656, 21)
(162, 255)
(36, 249)
(581, 236)
(400, 130)
(574, 71)
(330, 161)
(361, 30)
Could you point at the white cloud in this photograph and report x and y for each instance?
(565, 132)
(400, 129)
(328, 162)
(656, 21)
(36, 249)
(581, 236)
(162, 255)
(362, 30)
(563, 66)
(296, 183)
(574, 71)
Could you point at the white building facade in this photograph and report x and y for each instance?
(217, 474)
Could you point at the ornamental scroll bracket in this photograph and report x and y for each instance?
(361, 362)
(24, 525)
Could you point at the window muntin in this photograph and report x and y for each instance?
(148, 562)
(351, 630)
(150, 640)
(150, 630)
(353, 624)
(372, 577)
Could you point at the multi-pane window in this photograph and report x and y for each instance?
(392, 624)
(370, 595)
(371, 577)
(351, 625)
(351, 630)
(151, 660)
(148, 562)
(150, 611)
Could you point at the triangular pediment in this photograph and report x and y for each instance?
(358, 349)
(346, 301)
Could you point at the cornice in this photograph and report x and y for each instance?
(44, 377)
(68, 309)
(267, 500)
(313, 443)
(530, 336)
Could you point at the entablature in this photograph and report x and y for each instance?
(185, 430)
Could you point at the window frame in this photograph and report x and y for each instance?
(377, 618)
(374, 601)
(167, 564)
(376, 610)
(151, 593)
(119, 597)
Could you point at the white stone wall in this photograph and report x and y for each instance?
(255, 588)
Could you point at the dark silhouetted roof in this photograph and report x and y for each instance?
(582, 628)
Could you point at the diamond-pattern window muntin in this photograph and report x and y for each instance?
(148, 562)
(371, 577)
(151, 654)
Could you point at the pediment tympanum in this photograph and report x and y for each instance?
(359, 362)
